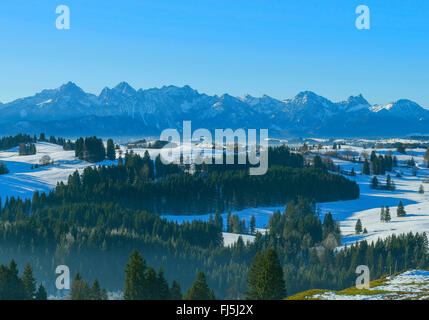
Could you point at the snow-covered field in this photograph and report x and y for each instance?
(22, 181)
(367, 207)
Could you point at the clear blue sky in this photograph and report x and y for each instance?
(274, 47)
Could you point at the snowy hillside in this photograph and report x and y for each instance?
(409, 285)
(22, 180)
(367, 207)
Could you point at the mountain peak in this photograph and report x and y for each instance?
(125, 88)
(357, 100)
(70, 88)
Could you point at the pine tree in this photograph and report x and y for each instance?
(366, 169)
(135, 277)
(110, 152)
(163, 290)
(252, 224)
(387, 217)
(41, 293)
(96, 291)
(374, 183)
(80, 289)
(175, 291)
(358, 227)
(383, 215)
(265, 280)
(199, 289)
(29, 282)
(401, 210)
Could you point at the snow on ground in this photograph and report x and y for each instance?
(409, 285)
(367, 207)
(22, 181)
(231, 238)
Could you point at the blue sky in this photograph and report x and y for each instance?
(274, 47)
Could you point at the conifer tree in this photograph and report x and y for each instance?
(175, 291)
(374, 182)
(110, 150)
(421, 189)
(41, 293)
(265, 280)
(135, 277)
(96, 291)
(163, 290)
(387, 216)
(29, 282)
(366, 169)
(199, 289)
(401, 210)
(358, 227)
(252, 224)
(80, 289)
(383, 215)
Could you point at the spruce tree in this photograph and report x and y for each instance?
(175, 291)
(163, 290)
(80, 289)
(374, 182)
(29, 282)
(265, 279)
(400, 212)
(366, 169)
(96, 291)
(387, 217)
(135, 277)
(41, 293)
(199, 289)
(358, 227)
(252, 224)
(383, 215)
(110, 150)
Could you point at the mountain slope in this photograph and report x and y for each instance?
(123, 110)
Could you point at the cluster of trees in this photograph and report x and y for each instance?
(133, 184)
(14, 287)
(81, 290)
(390, 184)
(14, 141)
(90, 149)
(96, 239)
(94, 221)
(144, 283)
(235, 225)
(378, 165)
(26, 149)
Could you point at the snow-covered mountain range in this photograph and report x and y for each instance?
(123, 110)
